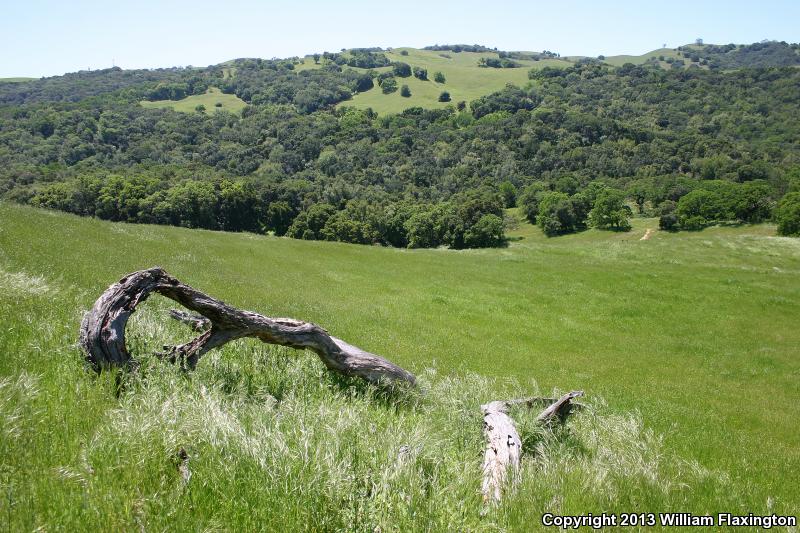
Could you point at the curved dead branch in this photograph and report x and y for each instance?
(102, 333)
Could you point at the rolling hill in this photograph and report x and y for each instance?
(212, 100)
(685, 344)
(464, 79)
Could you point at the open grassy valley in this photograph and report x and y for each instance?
(583, 271)
(685, 343)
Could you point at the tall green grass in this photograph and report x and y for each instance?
(686, 346)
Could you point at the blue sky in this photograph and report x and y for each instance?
(46, 37)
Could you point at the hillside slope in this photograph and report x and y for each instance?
(695, 332)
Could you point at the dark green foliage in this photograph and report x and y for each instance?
(389, 85)
(461, 48)
(557, 214)
(722, 201)
(309, 223)
(444, 96)
(668, 222)
(699, 208)
(787, 215)
(401, 69)
(279, 218)
(509, 193)
(609, 211)
(752, 202)
(421, 73)
(468, 221)
(487, 232)
(510, 99)
(438, 77)
(757, 55)
(490, 62)
(364, 83)
(405, 91)
(363, 58)
(655, 134)
(530, 198)
(85, 84)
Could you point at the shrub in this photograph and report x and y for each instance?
(421, 73)
(668, 222)
(486, 233)
(402, 69)
(405, 91)
(438, 77)
(444, 97)
(787, 215)
(389, 85)
(695, 223)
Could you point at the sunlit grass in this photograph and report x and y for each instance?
(465, 81)
(213, 100)
(686, 345)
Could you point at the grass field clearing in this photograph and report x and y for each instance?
(686, 345)
(230, 102)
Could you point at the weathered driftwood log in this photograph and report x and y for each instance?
(503, 444)
(102, 333)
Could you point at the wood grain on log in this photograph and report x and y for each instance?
(503, 444)
(102, 333)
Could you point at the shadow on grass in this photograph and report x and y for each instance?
(392, 396)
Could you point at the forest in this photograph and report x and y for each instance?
(585, 146)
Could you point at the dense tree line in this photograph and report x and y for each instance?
(78, 86)
(580, 144)
(756, 55)
(468, 220)
(457, 48)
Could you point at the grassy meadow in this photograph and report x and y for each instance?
(230, 102)
(464, 80)
(686, 344)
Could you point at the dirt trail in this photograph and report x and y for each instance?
(647, 234)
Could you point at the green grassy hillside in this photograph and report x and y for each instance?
(230, 102)
(686, 344)
(620, 60)
(16, 80)
(465, 81)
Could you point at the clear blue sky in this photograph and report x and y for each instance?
(49, 37)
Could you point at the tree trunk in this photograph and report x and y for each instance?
(503, 444)
(102, 333)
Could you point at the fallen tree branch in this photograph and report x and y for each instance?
(503, 444)
(102, 333)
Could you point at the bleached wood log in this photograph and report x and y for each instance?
(102, 332)
(503, 444)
